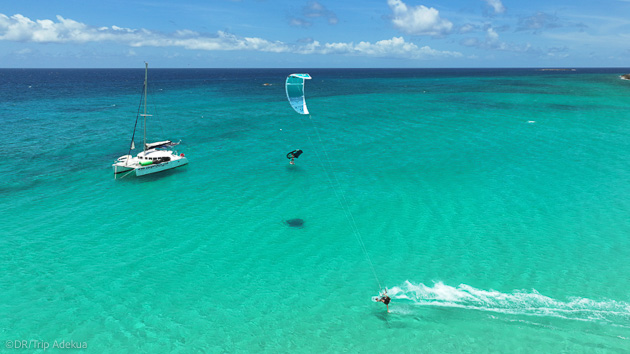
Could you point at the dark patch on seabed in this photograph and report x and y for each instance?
(299, 223)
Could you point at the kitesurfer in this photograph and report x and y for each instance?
(294, 155)
(384, 299)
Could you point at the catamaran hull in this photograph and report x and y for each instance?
(121, 169)
(145, 170)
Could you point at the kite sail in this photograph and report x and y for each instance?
(294, 154)
(295, 92)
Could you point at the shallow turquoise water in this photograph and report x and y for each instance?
(492, 203)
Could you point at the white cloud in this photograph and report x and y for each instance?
(18, 28)
(223, 41)
(22, 29)
(298, 22)
(538, 22)
(492, 42)
(558, 52)
(314, 10)
(467, 28)
(116, 28)
(395, 47)
(419, 20)
(491, 35)
(496, 5)
(24, 51)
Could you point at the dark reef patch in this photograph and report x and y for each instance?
(299, 223)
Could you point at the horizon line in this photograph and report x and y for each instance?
(325, 68)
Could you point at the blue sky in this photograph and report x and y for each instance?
(314, 33)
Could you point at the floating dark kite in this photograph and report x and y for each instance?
(294, 154)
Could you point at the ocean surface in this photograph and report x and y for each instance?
(494, 204)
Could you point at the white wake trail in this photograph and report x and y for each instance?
(518, 302)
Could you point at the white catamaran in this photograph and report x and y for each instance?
(155, 157)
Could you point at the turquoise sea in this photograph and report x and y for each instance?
(494, 204)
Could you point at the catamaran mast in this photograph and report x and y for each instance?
(146, 69)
